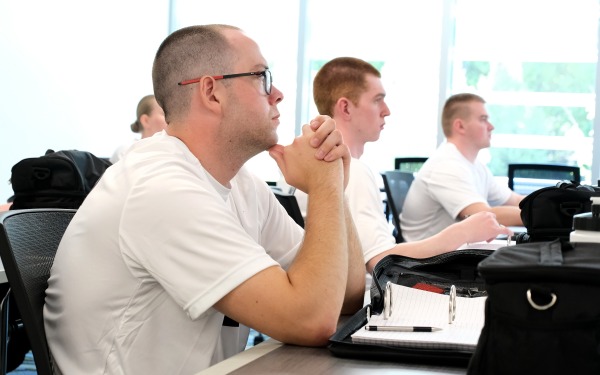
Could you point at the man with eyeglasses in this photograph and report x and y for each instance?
(179, 235)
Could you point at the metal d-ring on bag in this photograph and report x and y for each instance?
(541, 307)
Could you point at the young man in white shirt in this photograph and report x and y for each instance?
(350, 91)
(452, 184)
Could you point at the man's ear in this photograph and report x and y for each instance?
(342, 107)
(458, 126)
(208, 94)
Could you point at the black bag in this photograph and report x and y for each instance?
(542, 311)
(457, 268)
(547, 213)
(59, 179)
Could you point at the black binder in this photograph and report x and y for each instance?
(458, 268)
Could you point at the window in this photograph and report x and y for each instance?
(401, 38)
(534, 63)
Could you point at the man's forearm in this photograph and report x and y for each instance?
(508, 215)
(321, 264)
(355, 288)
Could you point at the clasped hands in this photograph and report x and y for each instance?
(317, 156)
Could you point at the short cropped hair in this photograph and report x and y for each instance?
(341, 77)
(188, 53)
(457, 107)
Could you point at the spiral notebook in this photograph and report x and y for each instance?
(459, 320)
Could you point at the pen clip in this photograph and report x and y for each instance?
(452, 304)
(387, 301)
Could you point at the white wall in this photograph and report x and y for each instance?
(72, 73)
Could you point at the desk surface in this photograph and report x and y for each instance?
(273, 357)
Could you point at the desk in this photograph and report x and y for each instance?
(273, 357)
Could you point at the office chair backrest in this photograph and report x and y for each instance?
(525, 178)
(409, 164)
(290, 203)
(396, 185)
(28, 243)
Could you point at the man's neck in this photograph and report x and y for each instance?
(356, 150)
(220, 170)
(469, 153)
(221, 164)
(355, 146)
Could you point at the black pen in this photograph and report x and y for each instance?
(402, 328)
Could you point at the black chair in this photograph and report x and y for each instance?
(525, 178)
(28, 243)
(409, 164)
(290, 203)
(396, 185)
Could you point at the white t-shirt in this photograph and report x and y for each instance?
(443, 187)
(154, 246)
(367, 210)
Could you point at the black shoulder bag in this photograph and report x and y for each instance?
(542, 312)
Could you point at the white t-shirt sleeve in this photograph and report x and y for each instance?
(271, 226)
(206, 252)
(454, 186)
(498, 194)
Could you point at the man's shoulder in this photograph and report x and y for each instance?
(120, 150)
(358, 165)
(440, 161)
(361, 174)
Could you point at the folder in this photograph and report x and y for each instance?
(435, 276)
(425, 319)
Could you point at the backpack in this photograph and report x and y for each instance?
(60, 179)
(548, 213)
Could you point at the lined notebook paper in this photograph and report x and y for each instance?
(414, 307)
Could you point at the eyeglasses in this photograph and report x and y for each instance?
(268, 80)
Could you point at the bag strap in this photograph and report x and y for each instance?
(551, 253)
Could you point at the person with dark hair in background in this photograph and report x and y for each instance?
(179, 234)
(150, 119)
(350, 91)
